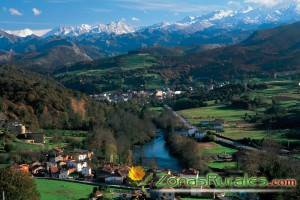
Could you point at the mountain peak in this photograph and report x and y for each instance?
(27, 32)
(115, 27)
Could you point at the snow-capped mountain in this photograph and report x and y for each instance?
(247, 18)
(27, 32)
(221, 27)
(117, 28)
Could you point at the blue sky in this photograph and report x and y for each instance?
(43, 14)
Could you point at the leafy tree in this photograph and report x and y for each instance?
(271, 166)
(17, 185)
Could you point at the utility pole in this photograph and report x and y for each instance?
(3, 195)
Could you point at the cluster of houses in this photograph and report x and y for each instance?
(75, 165)
(212, 86)
(167, 93)
(112, 173)
(193, 132)
(61, 165)
(215, 125)
(26, 135)
(115, 97)
(204, 127)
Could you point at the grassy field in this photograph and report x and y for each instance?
(137, 61)
(64, 135)
(212, 148)
(132, 71)
(56, 190)
(223, 165)
(238, 134)
(235, 127)
(20, 146)
(285, 91)
(195, 115)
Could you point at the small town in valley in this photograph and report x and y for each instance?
(150, 100)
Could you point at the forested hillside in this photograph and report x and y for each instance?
(265, 53)
(41, 103)
(38, 101)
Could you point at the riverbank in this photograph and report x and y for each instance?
(156, 154)
(187, 151)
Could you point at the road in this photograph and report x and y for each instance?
(219, 139)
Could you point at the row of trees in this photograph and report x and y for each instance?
(187, 150)
(116, 129)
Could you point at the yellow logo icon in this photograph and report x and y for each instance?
(136, 173)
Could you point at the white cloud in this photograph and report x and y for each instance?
(135, 19)
(15, 12)
(271, 3)
(36, 12)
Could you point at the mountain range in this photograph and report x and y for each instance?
(67, 45)
(243, 18)
(265, 53)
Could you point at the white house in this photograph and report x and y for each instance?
(17, 128)
(192, 131)
(80, 166)
(82, 157)
(178, 92)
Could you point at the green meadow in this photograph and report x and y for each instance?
(195, 115)
(212, 149)
(223, 165)
(56, 190)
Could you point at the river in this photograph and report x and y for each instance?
(156, 154)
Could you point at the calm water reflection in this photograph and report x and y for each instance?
(156, 153)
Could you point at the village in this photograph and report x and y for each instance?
(115, 97)
(157, 94)
(77, 164)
